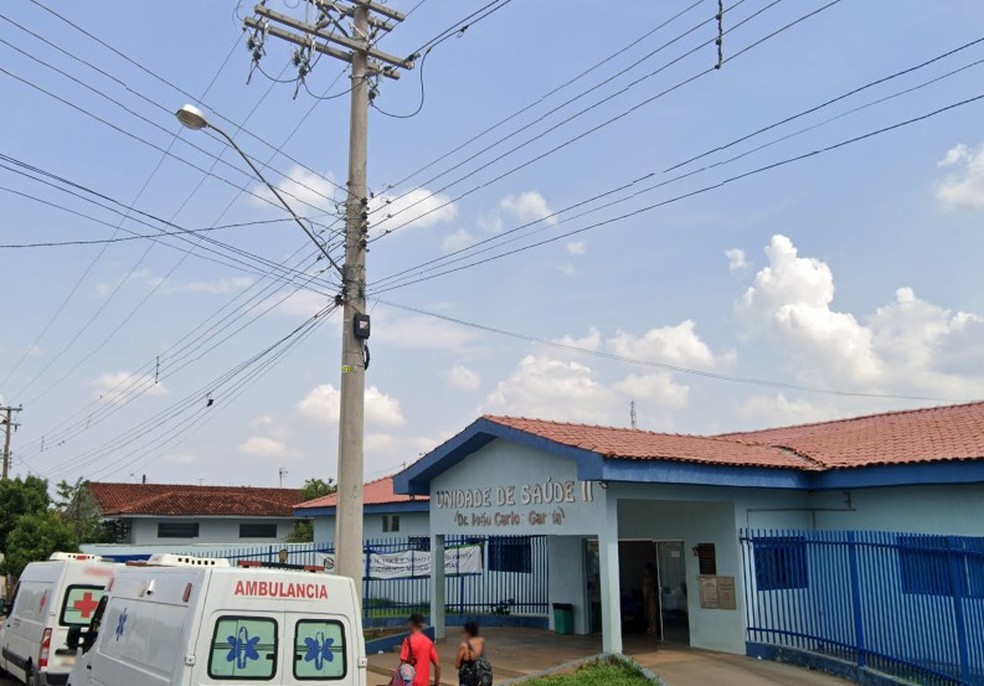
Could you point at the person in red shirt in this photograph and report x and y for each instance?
(419, 652)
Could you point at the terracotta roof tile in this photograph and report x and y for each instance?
(176, 500)
(378, 492)
(954, 432)
(633, 444)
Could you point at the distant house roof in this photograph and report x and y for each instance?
(177, 500)
(936, 434)
(843, 453)
(375, 495)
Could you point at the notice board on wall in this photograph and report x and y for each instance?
(717, 592)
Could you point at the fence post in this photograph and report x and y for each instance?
(955, 557)
(367, 552)
(852, 556)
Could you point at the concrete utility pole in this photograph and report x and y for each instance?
(8, 429)
(366, 62)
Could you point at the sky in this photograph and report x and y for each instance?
(756, 285)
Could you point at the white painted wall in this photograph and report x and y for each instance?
(568, 583)
(411, 524)
(210, 530)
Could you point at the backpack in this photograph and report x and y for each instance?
(478, 672)
(405, 673)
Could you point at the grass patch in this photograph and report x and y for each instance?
(615, 673)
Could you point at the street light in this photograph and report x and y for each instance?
(193, 118)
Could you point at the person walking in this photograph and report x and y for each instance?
(472, 664)
(419, 652)
(650, 598)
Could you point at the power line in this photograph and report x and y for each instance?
(658, 365)
(451, 258)
(594, 129)
(691, 194)
(158, 77)
(463, 25)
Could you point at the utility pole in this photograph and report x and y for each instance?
(367, 62)
(8, 428)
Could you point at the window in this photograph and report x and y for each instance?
(706, 558)
(319, 650)
(421, 544)
(247, 530)
(511, 554)
(391, 524)
(177, 530)
(243, 648)
(80, 604)
(926, 565)
(780, 563)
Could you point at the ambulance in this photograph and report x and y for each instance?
(50, 597)
(186, 620)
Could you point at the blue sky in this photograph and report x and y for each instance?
(855, 271)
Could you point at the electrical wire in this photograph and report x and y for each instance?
(423, 94)
(694, 193)
(498, 238)
(548, 94)
(463, 25)
(584, 134)
(660, 365)
(185, 93)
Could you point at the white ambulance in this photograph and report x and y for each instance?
(180, 620)
(50, 597)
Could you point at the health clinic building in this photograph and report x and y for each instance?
(610, 500)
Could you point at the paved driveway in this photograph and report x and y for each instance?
(520, 652)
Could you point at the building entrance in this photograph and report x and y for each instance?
(653, 584)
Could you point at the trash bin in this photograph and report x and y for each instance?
(563, 618)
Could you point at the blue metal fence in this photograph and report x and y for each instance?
(513, 580)
(908, 605)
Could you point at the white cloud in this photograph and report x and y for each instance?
(778, 410)
(591, 341)
(216, 287)
(114, 387)
(300, 303)
(181, 458)
(491, 223)
(567, 269)
(308, 188)
(963, 189)
(908, 346)
(417, 208)
(737, 261)
(424, 332)
(377, 443)
(577, 248)
(322, 404)
(659, 387)
(459, 240)
(677, 345)
(546, 388)
(34, 351)
(461, 378)
(529, 206)
(261, 446)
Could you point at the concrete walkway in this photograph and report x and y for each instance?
(521, 652)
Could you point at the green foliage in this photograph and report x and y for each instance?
(80, 511)
(19, 497)
(599, 673)
(316, 488)
(35, 537)
(313, 488)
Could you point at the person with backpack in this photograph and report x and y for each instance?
(474, 668)
(416, 657)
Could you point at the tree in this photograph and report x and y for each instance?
(19, 497)
(313, 489)
(35, 537)
(80, 511)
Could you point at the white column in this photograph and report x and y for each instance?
(438, 589)
(611, 595)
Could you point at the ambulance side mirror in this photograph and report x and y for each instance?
(74, 637)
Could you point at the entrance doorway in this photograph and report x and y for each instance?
(657, 567)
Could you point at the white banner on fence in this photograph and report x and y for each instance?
(407, 564)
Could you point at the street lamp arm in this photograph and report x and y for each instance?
(273, 189)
